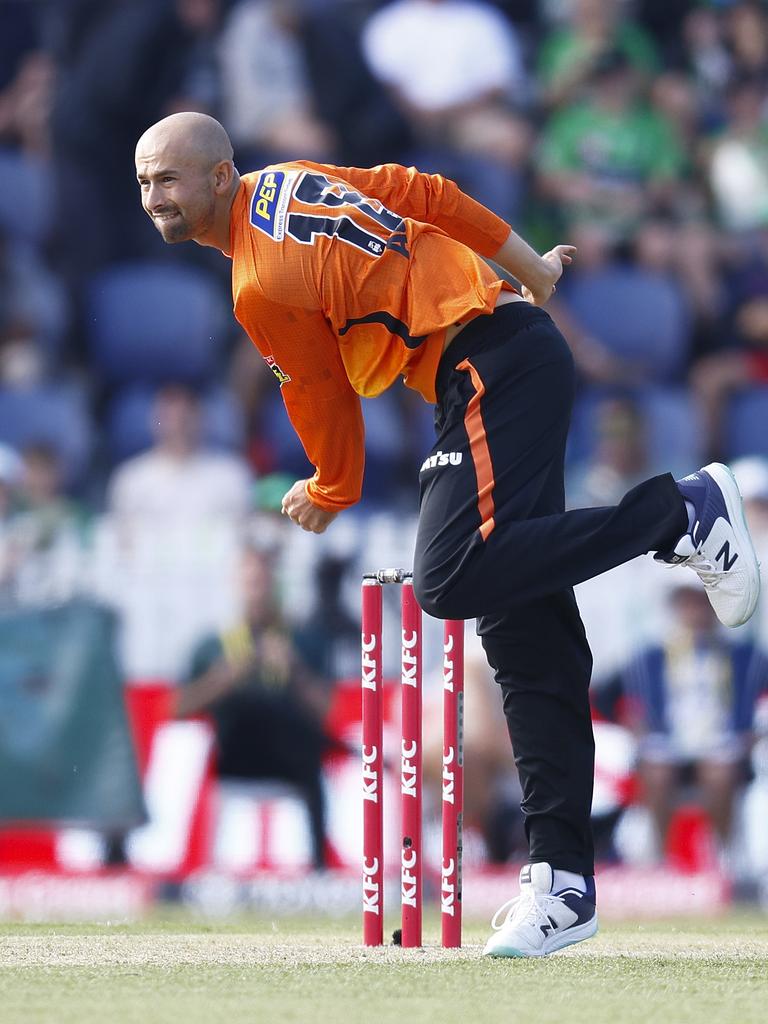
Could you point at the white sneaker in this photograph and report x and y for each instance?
(718, 546)
(539, 921)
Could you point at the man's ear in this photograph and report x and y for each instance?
(222, 175)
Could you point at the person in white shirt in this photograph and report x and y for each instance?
(454, 68)
(178, 513)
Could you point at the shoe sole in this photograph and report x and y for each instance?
(568, 938)
(734, 504)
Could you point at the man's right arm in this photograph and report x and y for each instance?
(322, 405)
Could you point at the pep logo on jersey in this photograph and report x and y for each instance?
(269, 202)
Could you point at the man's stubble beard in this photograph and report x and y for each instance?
(175, 231)
(180, 229)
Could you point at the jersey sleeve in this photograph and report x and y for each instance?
(428, 198)
(323, 408)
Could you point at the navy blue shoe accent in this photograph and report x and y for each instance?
(583, 904)
(709, 505)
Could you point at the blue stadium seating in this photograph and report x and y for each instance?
(129, 428)
(387, 445)
(672, 431)
(25, 197)
(155, 322)
(639, 315)
(56, 416)
(746, 427)
(279, 438)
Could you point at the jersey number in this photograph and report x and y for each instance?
(316, 190)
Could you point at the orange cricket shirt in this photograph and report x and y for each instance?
(344, 279)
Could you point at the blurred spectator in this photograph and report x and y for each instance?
(570, 55)
(10, 472)
(687, 254)
(620, 459)
(751, 475)
(32, 300)
(663, 21)
(707, 59)
(46, 535)
(621, 609)
(120, 68)
(611, 159)
(460, 108)
(268, 103)
(746, 33)
(738, 158)
(716, 378)
(267, 707)
(692, 699)
(329, 638)
(21, 360)
(177, 481)
(368, 127)
(26, 78)
(177, 513)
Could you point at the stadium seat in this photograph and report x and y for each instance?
(278, 438)
(640, 316)
(56, 416)
(129, 429)
(154, 322)
(746, 426)
(25, 196)
(672, 430)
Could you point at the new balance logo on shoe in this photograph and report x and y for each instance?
(547, 928)
(724, 555)
(442, 459)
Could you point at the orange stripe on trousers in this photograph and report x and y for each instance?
(481, 456)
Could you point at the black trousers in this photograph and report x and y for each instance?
(495, 543)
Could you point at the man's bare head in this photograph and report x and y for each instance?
(187, 178)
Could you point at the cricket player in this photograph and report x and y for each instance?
(345, 279)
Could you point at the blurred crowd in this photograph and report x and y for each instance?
(143, 445)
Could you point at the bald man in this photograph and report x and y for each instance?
(345, 279)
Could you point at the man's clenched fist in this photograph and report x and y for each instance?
(298, 507)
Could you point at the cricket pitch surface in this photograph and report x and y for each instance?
(178, 968)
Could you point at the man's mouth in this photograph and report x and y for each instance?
(165, 215)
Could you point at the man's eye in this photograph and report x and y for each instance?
(166, 178)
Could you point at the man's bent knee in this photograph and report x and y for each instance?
(439, 598)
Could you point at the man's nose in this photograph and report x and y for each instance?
(153, 198)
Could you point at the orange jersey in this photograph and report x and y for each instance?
(346, 278)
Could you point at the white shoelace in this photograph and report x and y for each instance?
(519, 909)
(707, 572)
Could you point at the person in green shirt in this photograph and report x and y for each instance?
(266, 705)
(611, 158)
(569, 54)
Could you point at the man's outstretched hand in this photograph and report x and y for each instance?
(553, 263)
(298, 507)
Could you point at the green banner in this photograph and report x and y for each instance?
(66, 754)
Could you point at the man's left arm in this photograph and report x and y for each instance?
(433, 199)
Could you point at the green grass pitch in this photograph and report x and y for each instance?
(179, 970)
